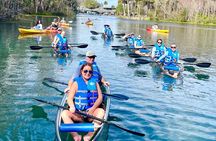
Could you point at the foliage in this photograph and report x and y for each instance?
(194, 11)
(91, 4)
(11, 8)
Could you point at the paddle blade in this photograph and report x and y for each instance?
(134, 55)
(94, 32)
(189, 59)
(203, 65)
(36, 47)
(142, 61)
(81, 46)
(117, 96)
(127, 130)
(120, 34)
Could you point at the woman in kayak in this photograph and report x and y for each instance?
(85, 95)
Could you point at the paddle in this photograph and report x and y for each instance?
(189, 59)
(95, 33)
(71, 45)
(92, 117)
(203, 65)
(117, 96)
(143, 61)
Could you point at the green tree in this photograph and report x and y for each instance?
(91, 4)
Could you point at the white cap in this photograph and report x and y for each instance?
(90, 54)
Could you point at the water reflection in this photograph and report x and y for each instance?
(38, 112)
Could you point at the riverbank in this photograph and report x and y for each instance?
(144, 18)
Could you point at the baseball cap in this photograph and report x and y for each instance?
(90, 54)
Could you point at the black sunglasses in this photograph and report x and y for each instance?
(173, 47)
(88, 71)
(91, 56)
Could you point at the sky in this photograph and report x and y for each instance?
(110, 2)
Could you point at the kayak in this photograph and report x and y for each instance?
(31, 31)
(157, 30)
(24, 36)
(35, 31)
(81, 128)
(89, 23)
(64, 24)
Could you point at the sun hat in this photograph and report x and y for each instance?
(90, 54)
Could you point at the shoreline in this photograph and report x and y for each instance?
(162, 21)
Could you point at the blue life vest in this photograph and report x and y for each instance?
(60, 42)
(96, 72)
(169, 63)
(64, 44)
(139, 42)
(86, 94)
(160, 50)
(171, 56)
(108, 32)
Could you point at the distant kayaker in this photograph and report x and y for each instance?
(58, 41)
(108, 32)
(85, 95)
(90, 58)
(38, 25)
(63, 20)
(54, 25)
(158, 51)
(139, 44)
(155, 26)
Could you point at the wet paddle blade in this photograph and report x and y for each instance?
(134, 55)
(94, 32)
(189, 59)
(142, 61)
(36, 47)
(203, 65)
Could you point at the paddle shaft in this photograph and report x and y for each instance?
(93, 117)
(117, 96)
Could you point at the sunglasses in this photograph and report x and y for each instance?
(88, 71)
(91, 57)
(173, 47)
(159, 42)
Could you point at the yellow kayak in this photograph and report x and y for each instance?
(64, 24)
(89, 23)
(31, 31)
(158, 30)
(35, 31)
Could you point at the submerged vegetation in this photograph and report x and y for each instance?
(193, 11)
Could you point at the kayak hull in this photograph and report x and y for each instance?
(35, 31)
(158, 30)
(100, 134)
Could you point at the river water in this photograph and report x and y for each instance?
(160, 107)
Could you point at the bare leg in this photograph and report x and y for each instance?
(99, 112)
(69, 117)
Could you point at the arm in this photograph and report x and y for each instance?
(163, 56)
(153, 53)
(71, 95)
